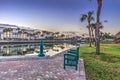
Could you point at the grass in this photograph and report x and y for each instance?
(105, 66)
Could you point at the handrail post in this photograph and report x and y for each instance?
(41, 54)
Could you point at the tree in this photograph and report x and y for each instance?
(37, 34)
(93, 28)
(23, 33)
(19, 32)
(31, 36)
(107, 36)
(99, 3)
(62, 35)
(7, 32)
(88, 17)
(43, 33)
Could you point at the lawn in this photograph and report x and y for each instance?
(105, 66)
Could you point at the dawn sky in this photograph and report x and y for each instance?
(58, 15)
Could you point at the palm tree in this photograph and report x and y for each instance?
(26, 35)
(37, 33)
(101, 35)
(62, 35)
(19, 32)
(57, 34)
(7, 32)
(99, 3)
(43, 33)
(30, 36)
(23, 31)
(10, 30)
(88, 17)
(48, 33)
(93, 28)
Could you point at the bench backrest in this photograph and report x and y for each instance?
(71, 58)
(73, 51)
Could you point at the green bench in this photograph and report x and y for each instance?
(71, 58)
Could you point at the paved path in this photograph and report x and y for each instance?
(40, 69)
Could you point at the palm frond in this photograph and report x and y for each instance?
(93, 25)
(87, 26)
(84, 16)
(90, 13)
(101, 26)
(92, 18)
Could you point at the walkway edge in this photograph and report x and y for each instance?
(82, 70)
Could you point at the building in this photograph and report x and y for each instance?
(118, 35)
(13, 32)
(7, 31)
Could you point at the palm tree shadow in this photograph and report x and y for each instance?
(109, 58)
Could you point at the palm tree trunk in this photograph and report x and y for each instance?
(99, 2)
(9, 35)
(92, 35)
(5, 35)
(89, 34)
(95, 38)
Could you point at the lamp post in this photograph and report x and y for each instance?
(41, 54)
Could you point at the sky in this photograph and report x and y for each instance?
(58, 15)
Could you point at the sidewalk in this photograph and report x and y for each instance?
(40, 69)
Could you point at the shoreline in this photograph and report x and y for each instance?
(36, 41)
(29, 57)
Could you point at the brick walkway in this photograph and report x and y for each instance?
(40, 69)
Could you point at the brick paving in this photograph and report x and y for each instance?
(40, 69)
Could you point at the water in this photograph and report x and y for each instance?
(30, 49)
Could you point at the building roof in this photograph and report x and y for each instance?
(118, 33)
(8, 26)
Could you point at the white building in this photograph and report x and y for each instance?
(13, 32)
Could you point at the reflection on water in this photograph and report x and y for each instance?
(23, 49)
